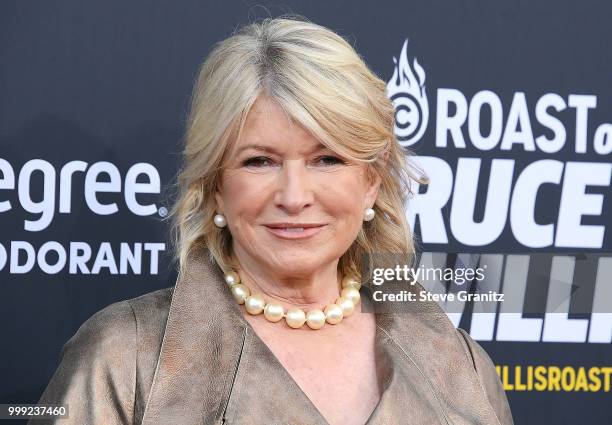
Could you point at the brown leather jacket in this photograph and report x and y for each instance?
(185, 355)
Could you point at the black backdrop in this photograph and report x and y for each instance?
(108, 83)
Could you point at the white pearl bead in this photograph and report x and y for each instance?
(240, 293)
(295, 318)
(315, 319)
(368, 214)
(350, 281)
(351, 293)
(347, 306)
(274, 312)
(254, 304)
(232, 278)
(333, 314)
(220, 220)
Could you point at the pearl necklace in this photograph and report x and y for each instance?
(296, 317)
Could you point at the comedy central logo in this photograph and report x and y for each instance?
(406, 89)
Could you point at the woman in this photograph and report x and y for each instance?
(291, 174)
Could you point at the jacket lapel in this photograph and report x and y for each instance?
(200, 351)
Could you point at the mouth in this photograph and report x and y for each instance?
(294, 230)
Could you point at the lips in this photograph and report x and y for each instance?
(294, 230)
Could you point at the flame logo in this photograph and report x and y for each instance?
(407, 91)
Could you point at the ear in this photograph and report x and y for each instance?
(374, 180)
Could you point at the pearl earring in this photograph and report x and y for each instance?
(220, 220)
(368, 214)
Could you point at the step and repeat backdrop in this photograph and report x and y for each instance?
(508, 106)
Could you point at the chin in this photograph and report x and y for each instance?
(301, 263)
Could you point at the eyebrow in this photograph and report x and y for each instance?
(271, 149)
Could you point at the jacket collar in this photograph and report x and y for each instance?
(205, 336)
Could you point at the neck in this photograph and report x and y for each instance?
(305, 290)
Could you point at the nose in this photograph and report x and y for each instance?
(294, 191)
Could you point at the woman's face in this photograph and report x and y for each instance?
(292, 205)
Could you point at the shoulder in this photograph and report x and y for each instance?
(113, 334)
(121, 321)
(113, 324)
(150, 311)
(488, 377)
(97, 373)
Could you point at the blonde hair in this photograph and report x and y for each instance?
(318, 80)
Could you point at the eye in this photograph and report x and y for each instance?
(257, 161)
(328, 160)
